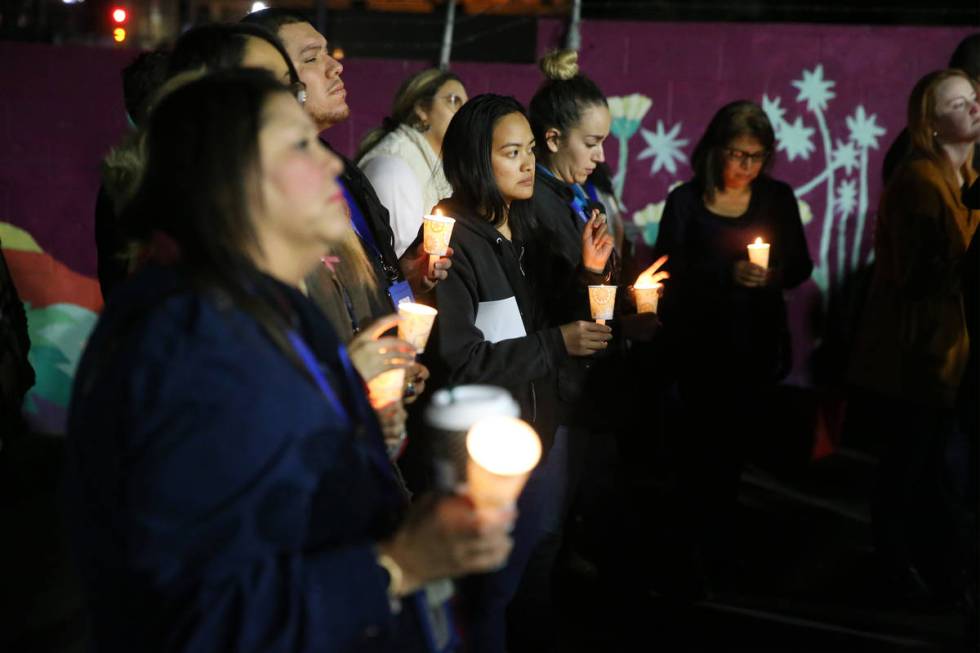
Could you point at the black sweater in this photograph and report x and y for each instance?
(489, 329)
(726, 331)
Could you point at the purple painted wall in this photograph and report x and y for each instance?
(836, 95)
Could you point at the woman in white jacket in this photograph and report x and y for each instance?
(402, 158)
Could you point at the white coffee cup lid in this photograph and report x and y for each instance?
(459, 408)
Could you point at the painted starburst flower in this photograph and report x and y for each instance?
(845, 156)
(796, 140)
(774, 112)
(627, 113)
(648, 220)
(664, 148)
(864, 128)
(814, 89)
(846, 200)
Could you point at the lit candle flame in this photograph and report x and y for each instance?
(758, 241)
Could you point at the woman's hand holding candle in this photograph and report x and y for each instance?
(437, 230)
(754, 273)
(597, 243)
(445, 537)
(372, 354)
(414, 264)
(583, 338)
(750, 275)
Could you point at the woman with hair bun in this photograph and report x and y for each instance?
(402, 158)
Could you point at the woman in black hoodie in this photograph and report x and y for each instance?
(489, 329)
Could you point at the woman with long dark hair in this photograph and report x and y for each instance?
(229, 484)
(489, 329)
(727, 314)
(207, 47)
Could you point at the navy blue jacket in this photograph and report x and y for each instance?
(219, 501)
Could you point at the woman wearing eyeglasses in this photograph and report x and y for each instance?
(728, 316)
(403, 157)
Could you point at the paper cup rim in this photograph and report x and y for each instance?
(439, 218)
(459, 408)
(417, 309)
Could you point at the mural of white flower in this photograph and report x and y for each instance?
(814, 89)
(864, 129)
(627, 113)
(845, 156)
(796, 140)
(648, 220)
(664, 148)
(846, 200)
(774, 112)
(806, 213)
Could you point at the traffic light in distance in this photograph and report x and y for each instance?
(118, 23)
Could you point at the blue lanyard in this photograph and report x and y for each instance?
(360, 224)
(313, 367)
(579, 199)
(376, 450)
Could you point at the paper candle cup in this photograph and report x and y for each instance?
(602, 301)
(451, 413)
(502, 453)
(415, 323)
(647, 298)
(436, 231)
(759, 253)
(386, 388)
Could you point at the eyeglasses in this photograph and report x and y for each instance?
(454, 101)
(298, 89)
(752, 158)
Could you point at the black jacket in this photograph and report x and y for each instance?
(489, 329)
(376, 216)
(558, 279)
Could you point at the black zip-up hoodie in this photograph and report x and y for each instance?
(489, 329)
(560, 283)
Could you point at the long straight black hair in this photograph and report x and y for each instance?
(467, 149)
(202, 171)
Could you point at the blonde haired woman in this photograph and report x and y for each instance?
(402, 158)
